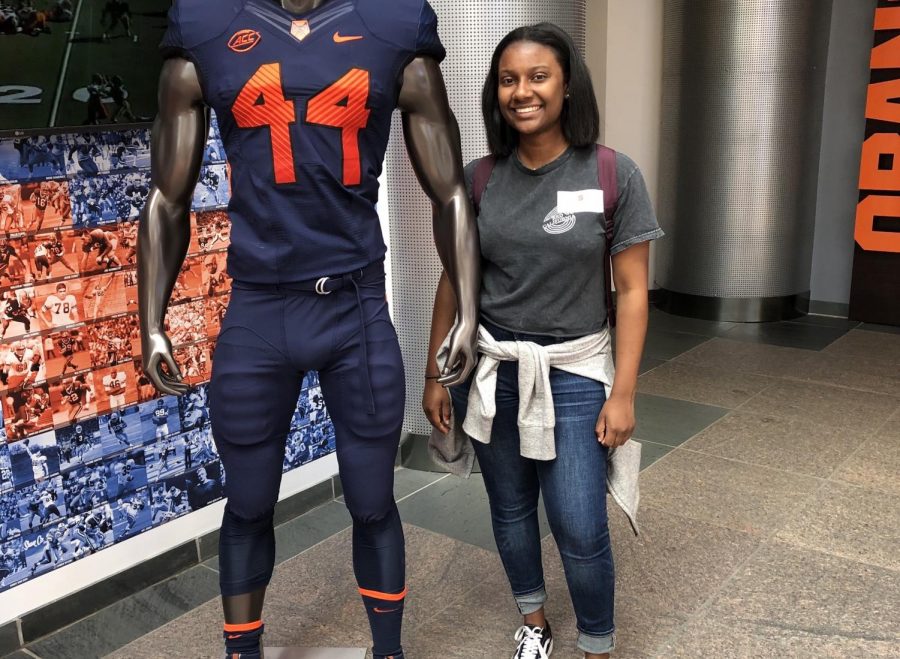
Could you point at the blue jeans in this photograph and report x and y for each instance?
(574, 490)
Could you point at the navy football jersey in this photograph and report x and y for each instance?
(304, 105)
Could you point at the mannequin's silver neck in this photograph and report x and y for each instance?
(301, 6)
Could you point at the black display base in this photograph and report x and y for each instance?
(736, 310)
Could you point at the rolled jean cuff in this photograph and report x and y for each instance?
(596, 644)
(531, 602)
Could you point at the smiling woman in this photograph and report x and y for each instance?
(539, 85)
(552, 207)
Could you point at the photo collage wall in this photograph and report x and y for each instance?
(90, 454)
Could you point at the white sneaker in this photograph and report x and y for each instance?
(534, 642)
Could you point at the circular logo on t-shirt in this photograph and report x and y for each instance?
(557, 222)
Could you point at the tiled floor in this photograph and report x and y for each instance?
(770, 523)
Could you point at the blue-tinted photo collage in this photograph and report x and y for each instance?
(68, 493)
(89, 454)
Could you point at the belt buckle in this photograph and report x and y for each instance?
(320, 286)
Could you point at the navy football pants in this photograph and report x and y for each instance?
(270, 337)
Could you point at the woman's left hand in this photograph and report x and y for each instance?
(616, 422)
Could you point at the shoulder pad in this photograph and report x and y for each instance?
(194, 22)
(396, 21)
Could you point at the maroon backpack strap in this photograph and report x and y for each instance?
(606, 168)
(606, 164)
(483, 171)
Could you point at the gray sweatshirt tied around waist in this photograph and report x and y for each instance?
(589, 356)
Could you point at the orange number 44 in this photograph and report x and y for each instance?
(341, 105)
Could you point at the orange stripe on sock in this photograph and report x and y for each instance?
(387, 597)
(243, 627)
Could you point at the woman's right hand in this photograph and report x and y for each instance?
(436, 403)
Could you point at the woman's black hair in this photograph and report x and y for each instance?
(580, 117)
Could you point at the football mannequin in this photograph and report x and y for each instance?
(303, 91)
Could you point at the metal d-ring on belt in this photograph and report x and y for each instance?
(327, 286)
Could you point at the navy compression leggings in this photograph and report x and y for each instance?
(270, 337)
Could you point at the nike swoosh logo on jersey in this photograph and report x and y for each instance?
(338, 38)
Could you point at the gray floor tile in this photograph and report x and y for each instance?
(20, 655)
(648, 364)
(651, 452)
(790, 602)
(663, 344)
(837, 407)
(124, 621)
(798, 445)
(806, 336)
(639, 627)
(869, 361)
(9, 638)
(109, 591)
(714, 638)
(197, 634)
(875, 464)
(409, 481)
(459, 509)
(702, 556)
(849, 521)
(487, 608)
(670, 421)
(444, 570)
(891, 428)
(731, 356)
(863, 344)
(723, 492)
(660, 320)
(874, 327)
(827, 321)
(700, 384)
(863, 372)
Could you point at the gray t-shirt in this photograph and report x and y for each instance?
(542, 269)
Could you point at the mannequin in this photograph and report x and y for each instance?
(179, 138)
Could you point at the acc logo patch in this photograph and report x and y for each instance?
(243, 40)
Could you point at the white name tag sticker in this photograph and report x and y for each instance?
(580, 201)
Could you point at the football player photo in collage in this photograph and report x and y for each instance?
(33, 158)
(90, 453)
(79, 443)
(212, 188)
